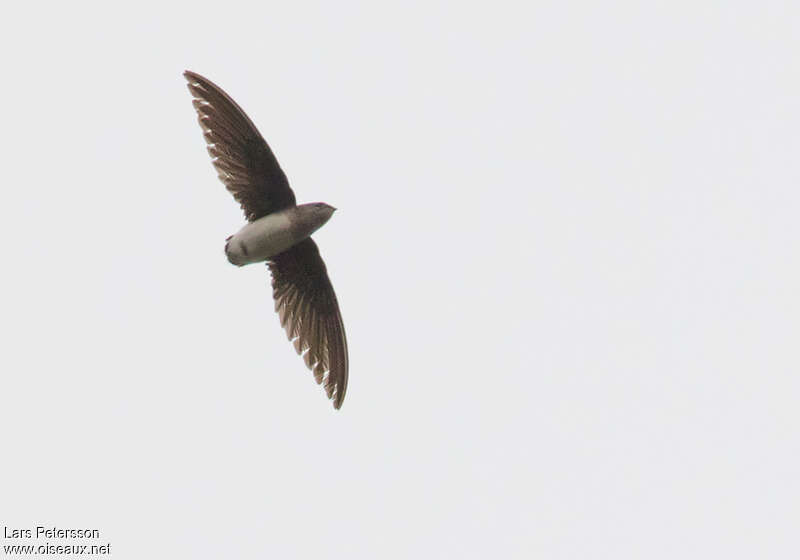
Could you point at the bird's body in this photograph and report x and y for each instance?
(278, 232)
(273, 234)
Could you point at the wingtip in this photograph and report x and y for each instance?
(191, 76)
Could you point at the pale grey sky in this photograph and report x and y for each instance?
(566, 254)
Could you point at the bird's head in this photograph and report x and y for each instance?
(321, 210)
(312, 216)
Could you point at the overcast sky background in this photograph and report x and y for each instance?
(566, 254)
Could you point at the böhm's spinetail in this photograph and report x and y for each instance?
(278, 232)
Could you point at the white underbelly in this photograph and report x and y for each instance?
(262, 239)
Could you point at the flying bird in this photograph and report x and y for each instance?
(278, 232)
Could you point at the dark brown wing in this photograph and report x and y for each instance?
(243, 159)
(307, 306)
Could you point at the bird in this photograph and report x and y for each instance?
(278, 232)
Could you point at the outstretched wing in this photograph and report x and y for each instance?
(308, 310)
(243, 159)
